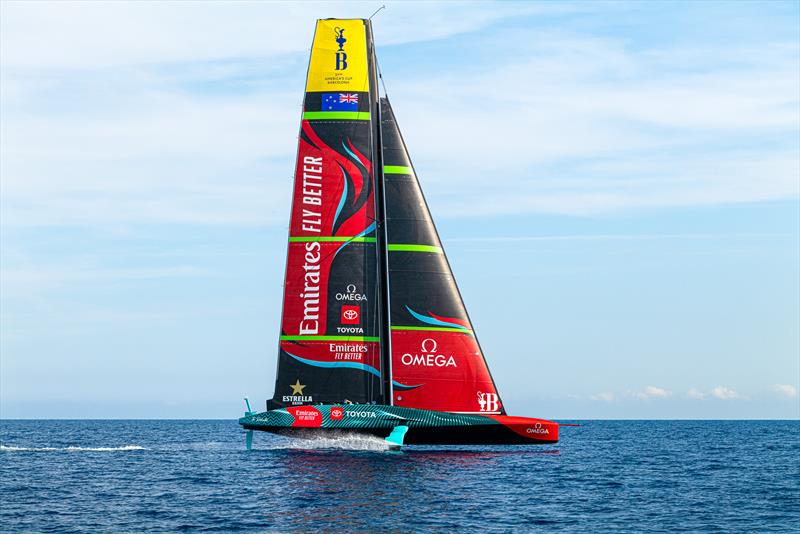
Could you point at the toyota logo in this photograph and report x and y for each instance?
(350, 315)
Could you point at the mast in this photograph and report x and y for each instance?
(380, 215)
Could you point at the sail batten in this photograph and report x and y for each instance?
(336, 115)
(397, 169)
(331, 239)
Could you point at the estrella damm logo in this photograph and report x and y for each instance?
(341, 55)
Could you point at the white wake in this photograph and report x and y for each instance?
(123, 448)
(352, 442)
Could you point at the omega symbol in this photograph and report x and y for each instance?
(425, 346)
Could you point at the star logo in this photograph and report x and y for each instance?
(297, 388)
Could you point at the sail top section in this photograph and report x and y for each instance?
(339, 56)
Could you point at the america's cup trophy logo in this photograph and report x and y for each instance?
(341, 56)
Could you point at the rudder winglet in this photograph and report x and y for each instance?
(396, 437)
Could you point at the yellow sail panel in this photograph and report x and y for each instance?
(339, 57)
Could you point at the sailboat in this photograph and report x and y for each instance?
(375, 338)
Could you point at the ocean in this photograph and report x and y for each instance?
(608, 476)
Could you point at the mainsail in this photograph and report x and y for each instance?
(433, 344)
(371, 311)
(329, 343)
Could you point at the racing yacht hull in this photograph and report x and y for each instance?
(424, 427)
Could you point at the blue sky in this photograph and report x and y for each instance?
(616, 184)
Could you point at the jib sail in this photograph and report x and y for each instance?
(329, 343)
(436, 361)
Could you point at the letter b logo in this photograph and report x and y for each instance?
(341, 61)
(492, 402)
(489, 402)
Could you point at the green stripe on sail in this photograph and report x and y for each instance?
(397, 169)
(329, 338)
(434, 329)
(397, 247)
(335, 239)
(336, 115)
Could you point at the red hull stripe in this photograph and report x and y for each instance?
(539, 429)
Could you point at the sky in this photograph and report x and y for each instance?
(616, 185)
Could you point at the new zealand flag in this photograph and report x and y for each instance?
(339, 101)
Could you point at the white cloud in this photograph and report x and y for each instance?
(37, 280)
(187, 125)
(614, 237)
(787, 390)
(695, 394)
(725, 393)
(157, 156)
(596, 142)
(114, 34)
(651, 392)
(190, 125)
(586, 136)
(605, 396)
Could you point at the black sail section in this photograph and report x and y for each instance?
(330, 337)
(436, 361)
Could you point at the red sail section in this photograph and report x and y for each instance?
(325, 181)
(437, 363)
(333, 189)
(447, 367)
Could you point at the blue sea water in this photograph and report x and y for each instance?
(631, 476)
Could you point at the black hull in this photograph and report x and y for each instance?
(420, 436)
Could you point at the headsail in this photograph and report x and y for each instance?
(329, 343)
(435, 357)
